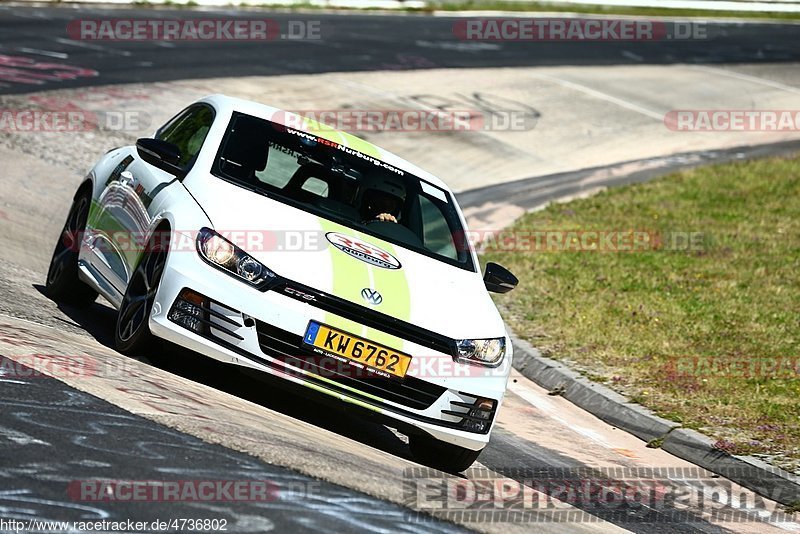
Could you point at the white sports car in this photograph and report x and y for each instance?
(262, 239)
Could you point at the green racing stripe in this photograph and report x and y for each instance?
(351, 275)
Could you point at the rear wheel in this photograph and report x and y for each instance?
(441, 455)
(63, 284)
(132, 334)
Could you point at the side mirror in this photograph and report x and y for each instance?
(498, 279)
(161, 154)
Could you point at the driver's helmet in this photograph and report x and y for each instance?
(383, 196)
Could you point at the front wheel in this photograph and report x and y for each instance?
(441, 455)
(63, 284)
(132, 333)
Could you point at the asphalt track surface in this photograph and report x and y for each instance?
(53, 434)
(350, 43)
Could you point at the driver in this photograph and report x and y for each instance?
(383, 202)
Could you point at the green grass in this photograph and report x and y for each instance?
(677, 330)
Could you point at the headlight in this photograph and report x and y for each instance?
(482, 351)
(224, 255)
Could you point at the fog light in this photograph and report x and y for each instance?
(480, 416)
(476, 426)
(188, 312)
(483, 409)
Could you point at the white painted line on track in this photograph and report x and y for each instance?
(630, 55)
(364, 88)
(537, 401)
(748, 78)
(468, 46)
(548, 408)
(759, 514)
(26, 15)
(599, 95)
(90, 46)
(48, 53)
(11, 381)
(20, 438)
(764, 515)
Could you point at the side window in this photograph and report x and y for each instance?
(436, 232)
(187, 131)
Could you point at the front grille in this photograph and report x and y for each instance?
(366, 316)
(289, 349)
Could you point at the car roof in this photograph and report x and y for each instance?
(227, 104)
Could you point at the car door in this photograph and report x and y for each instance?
(131, 199)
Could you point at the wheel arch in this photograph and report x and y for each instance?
(86, 185)
(162, 230)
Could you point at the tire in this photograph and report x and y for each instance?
(132, 333)
(442, 456)
(63, 284)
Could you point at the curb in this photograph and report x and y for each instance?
(768, 481)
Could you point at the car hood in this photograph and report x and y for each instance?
(338, 260)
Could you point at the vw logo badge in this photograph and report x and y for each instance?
(372, 296)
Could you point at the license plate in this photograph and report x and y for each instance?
(382, 360)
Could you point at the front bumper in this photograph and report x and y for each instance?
(263, 331)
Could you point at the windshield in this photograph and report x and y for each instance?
(343, 185)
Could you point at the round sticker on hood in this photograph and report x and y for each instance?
(362, 250)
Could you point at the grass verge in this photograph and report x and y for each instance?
(707, 337)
